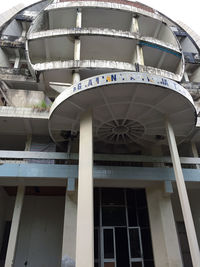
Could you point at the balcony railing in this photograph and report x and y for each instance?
(12, 41)
(7, 155)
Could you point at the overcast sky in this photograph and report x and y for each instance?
(185, 11)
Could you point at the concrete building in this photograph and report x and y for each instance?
(99, 137)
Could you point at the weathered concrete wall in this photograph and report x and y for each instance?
(40, 234)
(14, 29)
(196, 76)
(3, 59)
(25, 98)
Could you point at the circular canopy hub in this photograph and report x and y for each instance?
(127, 107)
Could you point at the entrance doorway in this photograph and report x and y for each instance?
(122, 234)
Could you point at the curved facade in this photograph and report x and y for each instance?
(97, 97)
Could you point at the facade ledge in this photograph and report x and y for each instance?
(102, 32)
(110, 5)
(16, 112)
(104, 64)
(160, 72)
(21, 74)
(74, 64)
(53, 171)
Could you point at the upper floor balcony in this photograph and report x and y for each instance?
(109, 36)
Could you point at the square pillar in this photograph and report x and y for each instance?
(163, 229)
(85, 227)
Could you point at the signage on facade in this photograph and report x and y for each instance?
(121, 78)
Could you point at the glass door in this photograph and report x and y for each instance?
(108, 245)
(122, 234)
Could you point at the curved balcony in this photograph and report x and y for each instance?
(109, 36)
(149, 25)
(101, 47)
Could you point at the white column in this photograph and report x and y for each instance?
(187, 215)
(85, 235)
(134, 25)
(17, 59)
(163, 229)
(10, 256)
(138, 56)
(77, 46)
(69, 227)
(79, 18)
(28, 142)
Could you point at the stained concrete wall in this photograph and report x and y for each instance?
(4, 63)
(195, 77)
(25, 98)
(14, 29)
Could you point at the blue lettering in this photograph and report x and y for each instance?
(90, 82)
(150, 80)
(74, 89)
(97, 80)
(113, 77)
(164, 82)
(79, 86)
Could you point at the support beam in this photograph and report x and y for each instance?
(85, 228)
(17, 59)
(79, 18)
(138, 53)
(10, 256)
(134, 25)
(157, 31)
(71, 185)
(28, 142)
(75, 77)
(168, 188)
(185, 75)
(77, 47)
(186, 210)
(161, 60)
(138, 56)
(47, 50)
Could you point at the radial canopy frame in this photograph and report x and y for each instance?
(127, 107)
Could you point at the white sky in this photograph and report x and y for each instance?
(186, 11)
